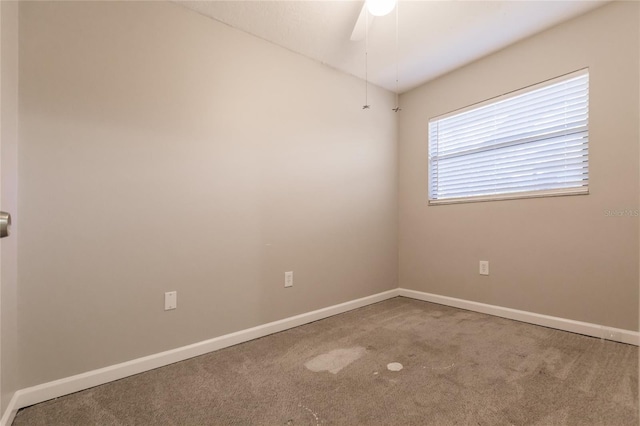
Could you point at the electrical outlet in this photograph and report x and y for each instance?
(288, 279)
(170, 300)
(484, 267)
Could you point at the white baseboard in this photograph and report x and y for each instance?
(10, 412)
(589, 329)
(36, 394)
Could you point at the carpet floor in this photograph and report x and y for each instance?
(397, 362)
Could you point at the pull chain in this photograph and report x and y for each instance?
(366, 62)
(397, 108)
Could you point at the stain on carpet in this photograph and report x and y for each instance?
(394, 366)
(335, 360)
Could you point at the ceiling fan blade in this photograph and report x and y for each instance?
(359, 29)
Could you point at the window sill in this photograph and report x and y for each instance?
(512, 196)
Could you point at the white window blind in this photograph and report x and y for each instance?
(530, 143)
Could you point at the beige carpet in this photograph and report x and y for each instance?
(458, 368)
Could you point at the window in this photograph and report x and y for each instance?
(529, 143)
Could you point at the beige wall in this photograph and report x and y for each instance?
(9, 201)
(161, 150)
(556, 256)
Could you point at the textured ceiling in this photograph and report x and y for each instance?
(435, 37)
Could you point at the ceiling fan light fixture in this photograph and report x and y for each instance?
(380, 7)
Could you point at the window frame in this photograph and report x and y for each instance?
(581, 190)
